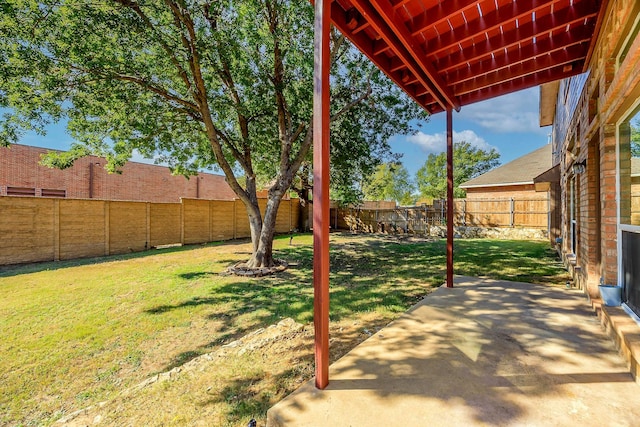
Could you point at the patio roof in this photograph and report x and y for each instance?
(444, 54)
(447, 54)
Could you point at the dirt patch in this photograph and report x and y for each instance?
(229, 386)
(241, 269)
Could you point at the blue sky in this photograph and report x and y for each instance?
(508, 123)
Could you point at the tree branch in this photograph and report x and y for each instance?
(353, 103)
(174, 60)
(298, 131)
(189, 107)
(201, 98)
(159, 91)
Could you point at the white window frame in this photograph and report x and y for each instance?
(622, 227)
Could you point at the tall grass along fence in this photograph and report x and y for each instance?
(51, 229)
(485, 213)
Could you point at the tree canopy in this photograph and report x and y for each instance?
(468, 162)
(195, 84)
(390, 181)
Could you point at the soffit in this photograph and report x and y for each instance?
(450, 53)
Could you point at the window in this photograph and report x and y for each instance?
(21, 191)
(629, 167)
(48, 192)
(629, 208)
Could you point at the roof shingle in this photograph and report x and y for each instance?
(519, 171)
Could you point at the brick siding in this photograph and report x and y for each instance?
(590, 135)
(87, 179)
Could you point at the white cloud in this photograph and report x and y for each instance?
(437, 143)
(515, 112)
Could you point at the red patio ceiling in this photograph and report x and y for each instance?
(450, 53)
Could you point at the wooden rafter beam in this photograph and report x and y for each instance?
(596, 31)
(400, 3)
(433, 82)
(571, 44)
(440, 14)
(515, 85)
(386, 12)
(518, 70)
(564, 18)
(366, 46)
(521, 83)
(486, 23)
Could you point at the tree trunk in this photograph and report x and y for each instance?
(265, 231)
(253, 211)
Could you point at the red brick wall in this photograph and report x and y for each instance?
(19, 167)
(610, 90)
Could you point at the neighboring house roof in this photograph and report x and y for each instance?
(517, 172)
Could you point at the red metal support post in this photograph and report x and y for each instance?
(322, 25)
(449, 198)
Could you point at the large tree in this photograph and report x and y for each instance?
(390, 181)
(194, 83)
(468, 163)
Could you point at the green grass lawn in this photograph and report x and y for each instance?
(76, 333)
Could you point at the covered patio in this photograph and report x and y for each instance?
(477, 352)
(484, 352)
(444, 55)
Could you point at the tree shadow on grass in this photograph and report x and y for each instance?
(36, 267)
(366, 276)
(196, 275)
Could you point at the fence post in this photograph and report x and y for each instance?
(56, 230)
(235, 228)
(512, 212)
(211, 220)
(181, 221)
(147, 244)
(426, 220)
(406, 221)
(464, 212)
(107, 232)
(377, 228)
(549, 214)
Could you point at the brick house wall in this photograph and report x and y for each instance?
(588, 109)
(20, 172)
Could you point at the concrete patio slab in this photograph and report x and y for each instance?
(485, 352)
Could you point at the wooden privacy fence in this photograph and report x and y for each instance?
(51, 229)
(505, 212)
(405, 219)
(512, 212)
